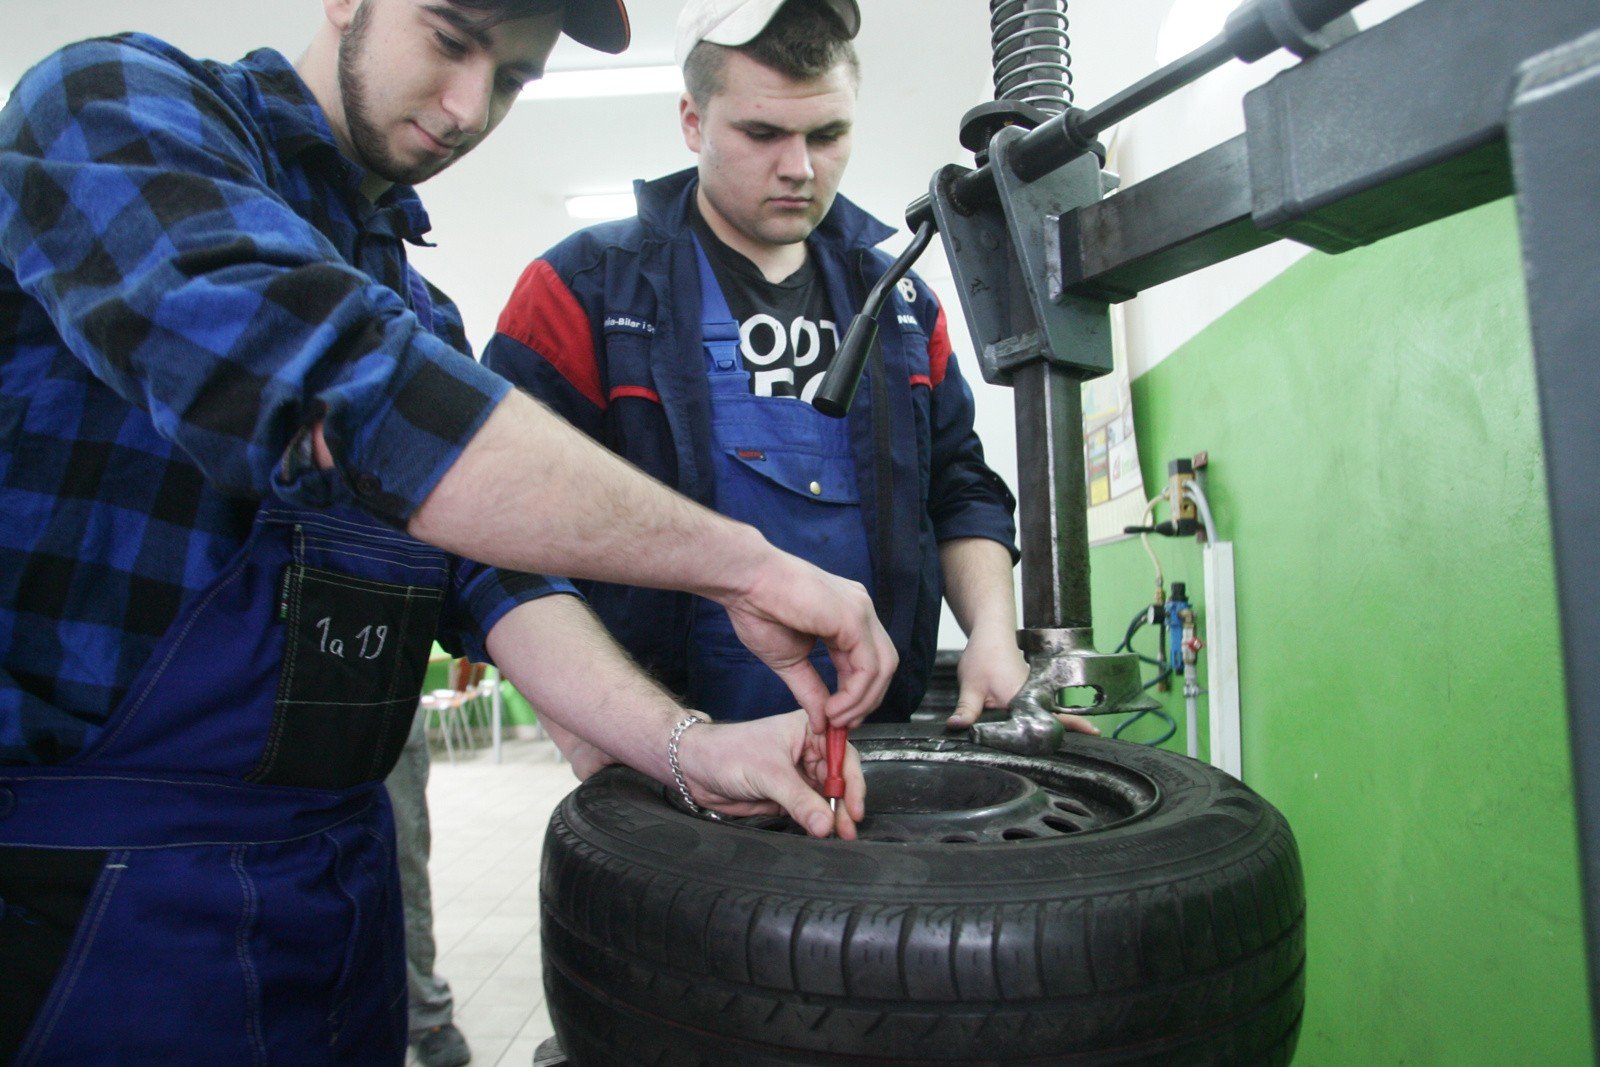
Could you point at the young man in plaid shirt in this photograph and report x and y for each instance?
(244, 453)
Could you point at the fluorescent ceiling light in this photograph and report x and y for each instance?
(601, 206)
(606, 81)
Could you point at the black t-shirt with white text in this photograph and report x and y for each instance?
(787, 332)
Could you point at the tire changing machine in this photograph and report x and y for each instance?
(1446, 106)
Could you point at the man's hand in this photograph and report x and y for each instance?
(601, 708)
(767, 766)
(584, 757)
(989, 674)
(977, 583)
(776, 617)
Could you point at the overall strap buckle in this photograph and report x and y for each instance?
(718, 329)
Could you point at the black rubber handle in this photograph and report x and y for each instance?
(1261, 27)
(839, 387)
(1318, 13)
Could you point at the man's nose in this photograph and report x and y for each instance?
(794, 160)
(467, 98)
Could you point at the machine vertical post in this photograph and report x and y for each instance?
(1555, 163)
(1053, 524)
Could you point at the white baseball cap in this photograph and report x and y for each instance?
(738, 22)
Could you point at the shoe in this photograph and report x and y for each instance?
(443, 1046)
(549, 1054)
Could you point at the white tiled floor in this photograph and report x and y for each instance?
(488, 827)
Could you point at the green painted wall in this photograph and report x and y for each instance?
(1375, 456)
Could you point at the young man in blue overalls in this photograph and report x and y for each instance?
(692, 338)
(242, 452)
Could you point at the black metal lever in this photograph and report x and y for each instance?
(839, 386)
(1256, 28)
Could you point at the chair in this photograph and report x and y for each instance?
(459, 707)
(490, 705)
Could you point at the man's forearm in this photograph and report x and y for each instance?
(977, 579)
(531, 493)
(559, 656)
(977, 585)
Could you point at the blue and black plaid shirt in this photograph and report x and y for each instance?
(189, 277)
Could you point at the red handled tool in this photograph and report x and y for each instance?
(833, 786)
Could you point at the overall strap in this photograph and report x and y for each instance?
(718, 330)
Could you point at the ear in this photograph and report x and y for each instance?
(340, 13)
(689, 122)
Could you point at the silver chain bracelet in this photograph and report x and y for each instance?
(677, 770)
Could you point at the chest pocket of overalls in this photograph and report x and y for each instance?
(359, 605)
(797, 519)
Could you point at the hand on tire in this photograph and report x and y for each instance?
(989, 675)
(771, 765)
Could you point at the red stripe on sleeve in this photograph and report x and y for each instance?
(544, 315)
(636, 390)
(939, 348)
(921, 379)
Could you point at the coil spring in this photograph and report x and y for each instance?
(1032, 63)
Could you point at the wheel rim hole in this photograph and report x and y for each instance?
(1079, 697)
(1016, 833)
(1072, 807)
(959, 839)
(1061, 825)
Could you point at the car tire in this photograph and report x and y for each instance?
(1134, 906)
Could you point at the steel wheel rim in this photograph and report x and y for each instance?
(963, 795)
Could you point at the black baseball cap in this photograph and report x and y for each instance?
(599, 24)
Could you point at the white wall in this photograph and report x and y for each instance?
(1204, 115)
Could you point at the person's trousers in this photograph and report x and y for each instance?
(427, 994)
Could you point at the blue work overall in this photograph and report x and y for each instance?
(787, 469)
(248, 911)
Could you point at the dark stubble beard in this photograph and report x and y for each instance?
(372, 152)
